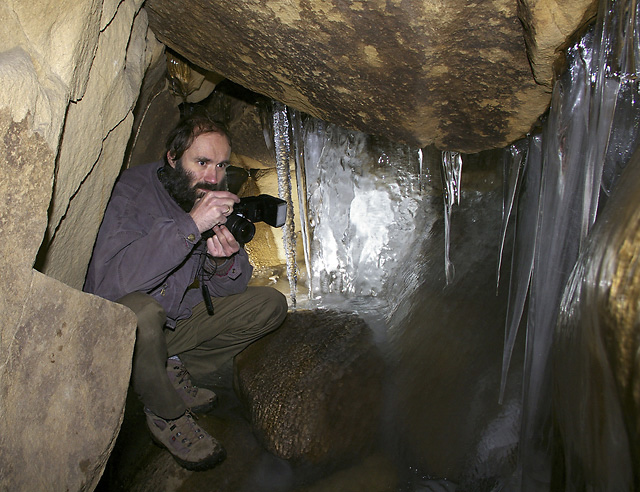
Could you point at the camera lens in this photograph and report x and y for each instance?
(242, 229)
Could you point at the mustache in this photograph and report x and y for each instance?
(210, 186)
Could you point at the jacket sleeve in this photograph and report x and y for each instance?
(137, 251)
(232, 277)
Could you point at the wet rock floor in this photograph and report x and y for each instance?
(138, 465)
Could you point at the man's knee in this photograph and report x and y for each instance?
(150, 314)
(274, 306)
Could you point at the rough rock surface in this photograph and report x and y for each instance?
(95, 135)
(449, 73)
(547, 26)
(313, 388)
(137, 465)
(64, 356)
(62, 381)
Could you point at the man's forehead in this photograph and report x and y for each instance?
(208, 143)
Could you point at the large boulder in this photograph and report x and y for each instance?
(313, 388)
(66, 356)
(451, 73)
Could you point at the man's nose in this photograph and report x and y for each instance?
(211, 175)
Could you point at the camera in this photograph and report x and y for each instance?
(261, 208)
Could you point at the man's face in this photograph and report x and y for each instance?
(205, 162)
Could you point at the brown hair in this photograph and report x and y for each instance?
(186, 131)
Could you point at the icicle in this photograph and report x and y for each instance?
(561, 217)
(297, 130)
(515, 159)
(283, 152)
(601, 100)
(420, 171)
(451, 175)
(626, 120)
(525, 222)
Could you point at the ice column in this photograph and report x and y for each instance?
(576, 153)
(420, 170)
(283, 152)
(297, 131)
(451, 175)
(366, 214)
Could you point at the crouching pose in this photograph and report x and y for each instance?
(151, 257)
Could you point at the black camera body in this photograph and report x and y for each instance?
(251, 209)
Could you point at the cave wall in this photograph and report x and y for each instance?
(70, 72)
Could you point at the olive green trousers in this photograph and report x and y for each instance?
(203, 342)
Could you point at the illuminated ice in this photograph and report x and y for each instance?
(364, 197)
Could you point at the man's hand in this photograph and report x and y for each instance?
(222, 244)
(212, 209)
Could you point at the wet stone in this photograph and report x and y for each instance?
(313, 389)
(297, 412)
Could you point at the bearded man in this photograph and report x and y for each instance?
(150, 256)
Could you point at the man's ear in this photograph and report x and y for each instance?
(170, 159)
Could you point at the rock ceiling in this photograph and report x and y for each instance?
(461, 75)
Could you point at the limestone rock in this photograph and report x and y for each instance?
(548, 24)
(59, 39)
(312, 389)
(94, 139)
(63, 384)
(421, 72)
(66, 356)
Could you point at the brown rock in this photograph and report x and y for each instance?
(547, 26)
(446, 73)
(63, 384)
(313, 389)
(65, 356)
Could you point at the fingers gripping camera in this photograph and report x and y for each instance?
(251, 209)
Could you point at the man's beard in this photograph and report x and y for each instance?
(177, 182)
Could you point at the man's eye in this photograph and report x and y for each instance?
(222, 164)
(202, 163)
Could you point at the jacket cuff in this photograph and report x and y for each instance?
(226, 269)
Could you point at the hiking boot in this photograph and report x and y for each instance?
(189, 445)
(197, 399)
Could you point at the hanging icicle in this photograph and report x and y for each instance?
(521, 203)
(420, 171)
(283, 152)
(451, 176)
(515, 158)
(297, 131)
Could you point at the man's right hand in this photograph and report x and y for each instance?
(212, 209)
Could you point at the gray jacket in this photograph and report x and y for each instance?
(147, 243)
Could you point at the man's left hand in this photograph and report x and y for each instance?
(222, 244)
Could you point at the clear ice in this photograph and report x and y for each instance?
(366, 208)
(451, 185)
(578, 157)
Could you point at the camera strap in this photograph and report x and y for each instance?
(207, 298)
(203, 286)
